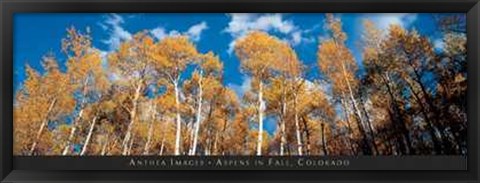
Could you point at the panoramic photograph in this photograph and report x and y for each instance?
(246, 84)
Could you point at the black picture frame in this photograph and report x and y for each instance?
(8, 8)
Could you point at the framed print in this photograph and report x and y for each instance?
(239, 91)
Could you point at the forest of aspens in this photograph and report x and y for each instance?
(165, 97)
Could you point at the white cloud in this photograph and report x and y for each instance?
(242, 88)
(296, 37)
(438, 44)
(159, 33)
(243, 23)
(231, 45)
(113, 24)
(194, 32)
(383, 21)
(273, 21)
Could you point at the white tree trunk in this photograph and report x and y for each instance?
(354, 101)
(129, 151)
(208, 145)
(66, 149)
(283, 139)
(199, 116)
(297, 127)
(178, 118)
(162, 146)
(215, 144)
(324, 140)
(150, 128)
(191, 127)
(261, 107)
(133, 114)
(355, 106)
(89, 136)
(349, 121)
(104, 147)
(42, 126)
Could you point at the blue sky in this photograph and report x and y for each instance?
(37, 34)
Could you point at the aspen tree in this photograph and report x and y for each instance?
(258, 53)
(337, 62)
(171, 56)
(131, 63)
(85, 70)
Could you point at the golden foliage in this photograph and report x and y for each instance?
(150, 94)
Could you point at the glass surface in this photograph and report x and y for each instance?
(240, 84)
